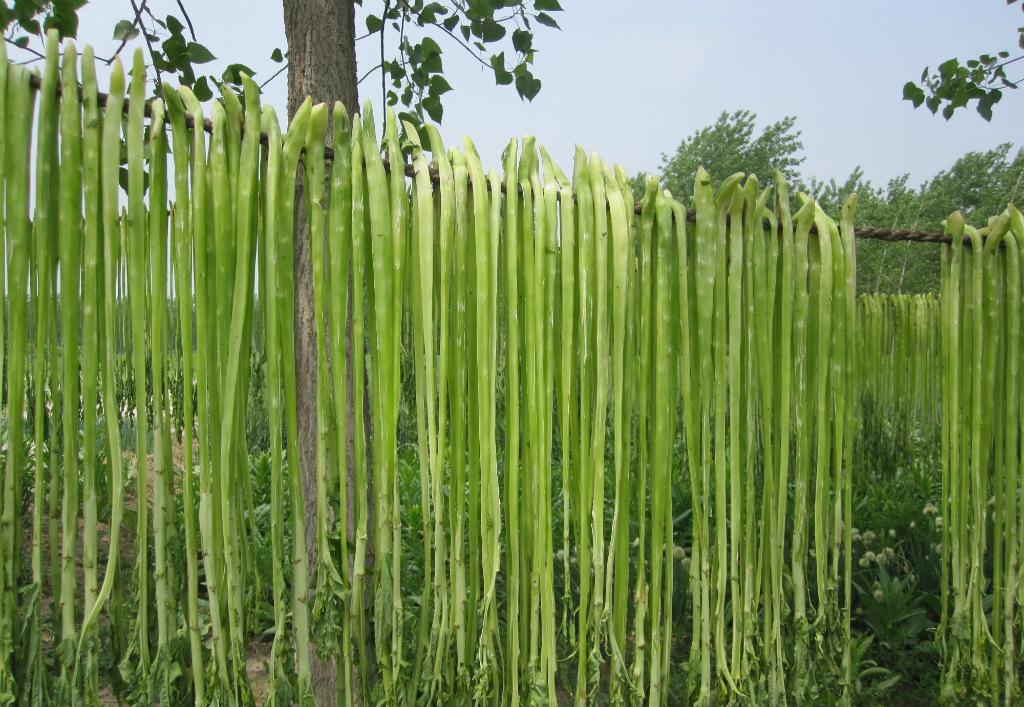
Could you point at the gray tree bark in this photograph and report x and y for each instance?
(321, 64)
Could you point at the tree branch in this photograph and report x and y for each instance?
(145, 35)
(137, 22)
(1008, 62)
(367, 74)
(475, 54)
(30, 50)
(188, 20)
(275, 75)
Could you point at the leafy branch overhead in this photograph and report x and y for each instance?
(956, 84)
(498, 34)
(170, 39)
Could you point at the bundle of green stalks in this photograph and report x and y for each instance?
(981, 476)
(899, 350)
(633, 444)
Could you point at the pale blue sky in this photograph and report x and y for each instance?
(630, 80)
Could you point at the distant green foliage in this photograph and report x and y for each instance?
(732, 144)
(979, 185)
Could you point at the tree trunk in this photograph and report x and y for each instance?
(321, 64)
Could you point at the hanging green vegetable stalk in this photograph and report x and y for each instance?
(69, 253)
(422, 310)
(45, 240)
(445, 241)
(339, 247)
(583, 469)
(634, 437)
(137, 257)
(980, 439)
(158, 256)
(459, 678)
(617, 575)
(181, 253)
(20, 106)
(280, 682)
(385, 232)
(91, 328)
(514, 553)
(359, 257)
(328, 589)
(8, 601)
(294, 140)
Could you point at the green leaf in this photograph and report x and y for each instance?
(374, 23)
(276, 56)
(202, 89)
(949, 67)
(986, 102)
(430, 13)
(527, 85)
(432, 104)
(30, 25)
(125, 30)
(64, 17)
(439, 85)
(913, 93)
(549, 5)
(176, 49)
(522, 41)
(489, 30)
(547, 20)
(409, 117)
(430, 47)
(450, 23)
(481, 8)
(431, 63)
(198, 54)
(233, 73)
(174, 25)
(502, 76)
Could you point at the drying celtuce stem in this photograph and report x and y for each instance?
(157, 257)
(69, 252)
(339, 248)
(110, 165)
(359, 257)
(45, 227)
(326, 609)
(513, 620)
(91, 327)
(20, 107)
(182, 242)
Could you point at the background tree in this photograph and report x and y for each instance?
(978, 184)
(733, 144)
